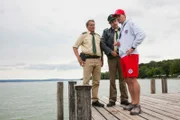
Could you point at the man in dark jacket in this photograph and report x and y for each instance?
(110, 37)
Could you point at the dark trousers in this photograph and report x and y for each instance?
(114, 68)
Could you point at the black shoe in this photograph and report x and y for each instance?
(125, 102)
(97, 104)
(110, 104)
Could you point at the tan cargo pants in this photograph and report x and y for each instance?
(114, 67)
(92, 67)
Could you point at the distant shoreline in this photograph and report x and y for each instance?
(64, 80)
(37, 80)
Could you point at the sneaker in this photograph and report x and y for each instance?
(136, 110)
(125, 102)
(128, 107)
(97, 104)
(110, 104)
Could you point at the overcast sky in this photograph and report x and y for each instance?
(36, 36)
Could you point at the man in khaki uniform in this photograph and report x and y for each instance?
(90, 59)
(109, 37)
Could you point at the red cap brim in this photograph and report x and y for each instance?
(114, 15)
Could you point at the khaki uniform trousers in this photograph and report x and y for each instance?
(92, 67)
(114, 67)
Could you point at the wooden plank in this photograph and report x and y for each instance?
(163, 106)
(161, 109)
(175, 95)
(148, 116)
(155, 99)
(105, 113)
(154, 107)
(96, 115)
(161, 101)
(162, 113)
(165, 98)
(154, 114)
(116, 112)
(169, 96)
(168, 108)
(125, 112)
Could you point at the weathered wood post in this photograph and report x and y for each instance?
(72, 103)
(164, 85)
(83, 102)
(60, 112)
(153, 86)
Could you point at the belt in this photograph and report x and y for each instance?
(92, 57)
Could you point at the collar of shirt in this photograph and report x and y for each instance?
(88, 32)
(91, 32)
(122, 26)
(124, 23)
(114, 29)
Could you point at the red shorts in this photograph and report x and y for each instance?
(130, 66)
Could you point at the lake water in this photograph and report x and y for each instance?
(37, 100)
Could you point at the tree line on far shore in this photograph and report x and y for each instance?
(165, 68)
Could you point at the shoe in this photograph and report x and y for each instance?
(97, 104)
(125, 102)
(128, 107)
(136, 110)
(110, 104)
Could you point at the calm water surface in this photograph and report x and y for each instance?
(37, 100)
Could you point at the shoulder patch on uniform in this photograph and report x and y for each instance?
(84, 33)
(98, 34)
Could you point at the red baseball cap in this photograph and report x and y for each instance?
(119, 12)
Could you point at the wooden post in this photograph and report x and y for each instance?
(153, 86)
(60, 112)
(72, 107)
(164, 85)
(83, 102)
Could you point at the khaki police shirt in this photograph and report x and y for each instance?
(85, 41)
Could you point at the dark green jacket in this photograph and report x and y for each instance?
(107, 41)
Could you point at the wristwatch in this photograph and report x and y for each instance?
(133, 48)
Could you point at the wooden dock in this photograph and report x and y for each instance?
(154, 107)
